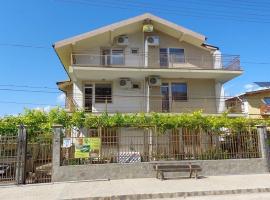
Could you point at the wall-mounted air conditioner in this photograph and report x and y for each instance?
(154, 81)
(122, 40)
(125, 83)
(152, 40)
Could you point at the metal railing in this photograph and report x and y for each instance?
(132, 145)
(136, 104)
(225, 62)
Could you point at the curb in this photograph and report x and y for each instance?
(177, 194)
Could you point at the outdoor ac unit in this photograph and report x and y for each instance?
(122, 40)
(125, 83)
(154, 81)
(152, 40)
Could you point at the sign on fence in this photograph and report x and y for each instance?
(83, 146)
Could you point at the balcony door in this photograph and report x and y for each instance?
(113, 56)
(88, 98)
(168, 57)
(165, 97)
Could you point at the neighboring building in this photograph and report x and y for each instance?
(254, 104)
(144, 64)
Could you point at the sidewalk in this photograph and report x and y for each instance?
(136, 188)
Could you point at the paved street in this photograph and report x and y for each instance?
(132, 187)
(256, 196)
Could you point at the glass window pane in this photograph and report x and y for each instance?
(163, 57)
(103, 92)
(117, 57)
(267, 100)
(177, 55)
(179, 91)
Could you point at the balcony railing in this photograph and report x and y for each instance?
(225, 62)
(265, 109)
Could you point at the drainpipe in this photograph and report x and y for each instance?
(145, 53)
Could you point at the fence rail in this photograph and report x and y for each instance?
(131, 145)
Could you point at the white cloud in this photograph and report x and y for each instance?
(45, 109)
(61, 98)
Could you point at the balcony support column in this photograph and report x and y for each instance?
(217, 61)
(220, 97)
(78, 94)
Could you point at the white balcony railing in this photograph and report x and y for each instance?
(225, 62)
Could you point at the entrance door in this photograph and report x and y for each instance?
(165, 97)
(88, 91)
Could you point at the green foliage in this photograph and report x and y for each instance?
(39, 122)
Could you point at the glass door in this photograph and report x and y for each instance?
(165, 97)
(88, 97)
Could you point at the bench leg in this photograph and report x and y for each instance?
(157, 174)
(196, 174)
(162, 175)
(190, 174)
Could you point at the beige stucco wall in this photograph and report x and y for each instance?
(195, 57)
(254, 103)
(201, 96)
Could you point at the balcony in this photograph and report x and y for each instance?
(265, 109)
(221, 62)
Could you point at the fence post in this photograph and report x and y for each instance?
(57, 130)
(20, 176)
(262, 131)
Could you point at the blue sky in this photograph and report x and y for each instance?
(226, 24)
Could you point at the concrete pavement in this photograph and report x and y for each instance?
(140, 188)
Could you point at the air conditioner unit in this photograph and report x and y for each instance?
(152, 40)
(122, 40)
(125, 83)
(154, 81)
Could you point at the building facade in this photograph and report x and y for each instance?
(144, 64)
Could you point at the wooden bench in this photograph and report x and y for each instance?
(192, 169)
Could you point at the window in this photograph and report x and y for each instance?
(112, 57)
(176, 55)
(117, 57)
(171, 55)
(179, 91)
(266, 100)
(103, 93)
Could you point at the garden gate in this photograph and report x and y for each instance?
(25, 160)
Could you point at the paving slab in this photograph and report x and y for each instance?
(140, 188)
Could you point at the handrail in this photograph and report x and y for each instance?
(225, 62)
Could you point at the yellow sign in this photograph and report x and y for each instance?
(148, 28)
(95, 143)
(83, 146)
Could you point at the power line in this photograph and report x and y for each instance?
(176, 8)
(79, 97)
(169, 11)
(28, 103)
(27, 86)
(24, 45)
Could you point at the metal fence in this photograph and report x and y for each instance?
(24, 161)
(8, 158)
(131, 145)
